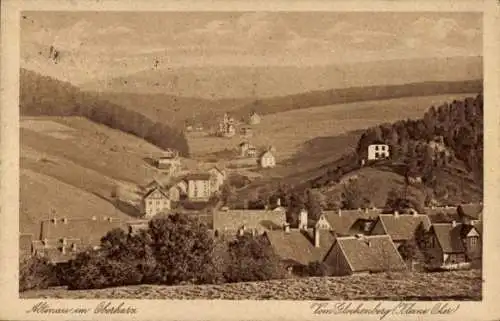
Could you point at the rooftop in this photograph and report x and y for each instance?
(298, 247)
(345, 221)
(403, 226)
(375, 253)
(253, 219)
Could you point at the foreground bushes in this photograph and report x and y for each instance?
(252, 259)
(35, 273)
(174, 249)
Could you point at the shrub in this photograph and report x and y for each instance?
(35, 273)
(85, 271)
(252, 259)
(317, 268)
(182, 248)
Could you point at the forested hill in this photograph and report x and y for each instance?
(45, 96)
(440, 149)
(358, 94)
(456, 128)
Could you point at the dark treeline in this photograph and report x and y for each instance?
(457, 128)
(43, 95)
(358, 94)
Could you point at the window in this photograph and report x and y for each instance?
(473, 242)
(377, 155)
(383, 147)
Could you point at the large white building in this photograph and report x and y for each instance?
(378, 151)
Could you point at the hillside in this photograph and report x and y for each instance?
(71, 166)
(461, 285)
(262, 82)
(307, 135)
(176, 109)
(45, 96)
(443, 150)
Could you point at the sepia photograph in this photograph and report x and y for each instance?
(251, 155)
(248, 161)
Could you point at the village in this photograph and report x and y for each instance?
(365, 240)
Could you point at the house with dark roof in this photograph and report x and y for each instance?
(61, 239)
(451, 244)
(400, 227)
(350, 222)
(363, 254)
(297, 247)
(229, 221)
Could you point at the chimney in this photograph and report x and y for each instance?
(396, 213)
(278, 202)
(366, 210)
(316, 237)
(54, 220)
(340, 212)
(241, 231)
(65, 220)
(303, 219)
(453, 223)
(286, 227)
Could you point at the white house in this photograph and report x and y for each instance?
(254, 119)
(267, 160)
(378, 151)
(155, 201)
(199, 186)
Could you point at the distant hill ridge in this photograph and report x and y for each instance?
(45, 96)
(178, 110)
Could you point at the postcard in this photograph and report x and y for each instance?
(220, 160)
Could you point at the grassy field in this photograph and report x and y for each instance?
(70, 166)
(458, 285)
(292, 131)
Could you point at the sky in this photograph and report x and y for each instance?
(121, 42)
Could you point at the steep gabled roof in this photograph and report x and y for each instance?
(159, 189)
(232, 220)
(343, 223)
(374, 253)
(403, 226)
(88, 231)
(472, 211)
(298, 246)
(449, 237)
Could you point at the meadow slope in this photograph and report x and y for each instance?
(70, 166)
(459, 285)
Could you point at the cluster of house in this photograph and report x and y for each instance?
(196, 187)
(347, 241)
(227, 126)
(361, 241)
(265, 158)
